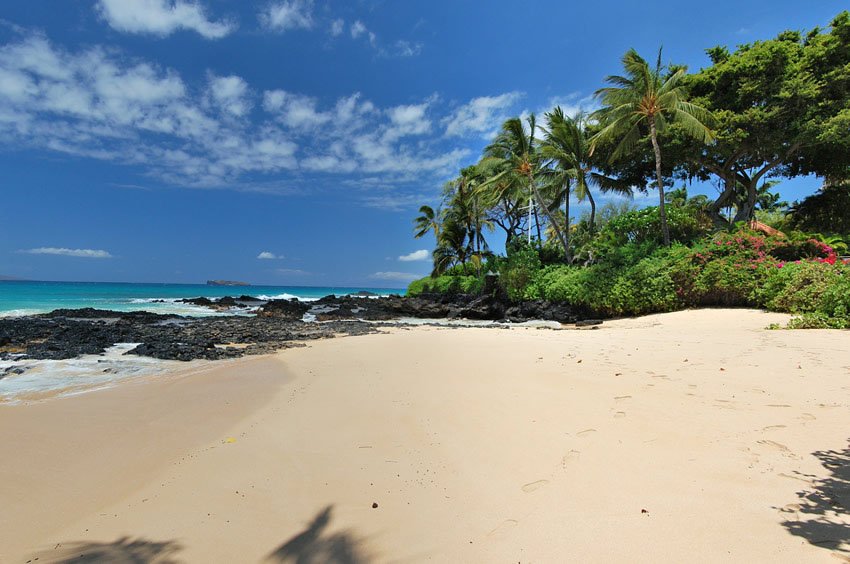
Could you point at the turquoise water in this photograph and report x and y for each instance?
(26, 298)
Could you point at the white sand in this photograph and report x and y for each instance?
(478, 445)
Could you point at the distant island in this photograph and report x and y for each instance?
(9, 278)
(226, 283)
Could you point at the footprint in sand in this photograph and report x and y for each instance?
(778, 405)
(531, 486)
(621, 398)
(807, 417)
(570, 457)
(619, 414)
(770, 427)
(585, 433)
(504, 526)
(784, 450)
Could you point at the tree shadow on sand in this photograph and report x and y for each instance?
(122, 551)
(315, 545)
(822, 516)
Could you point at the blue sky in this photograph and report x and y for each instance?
(290, 142)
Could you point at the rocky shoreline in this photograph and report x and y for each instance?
(255, 326)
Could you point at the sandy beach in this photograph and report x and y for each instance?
(696, 436)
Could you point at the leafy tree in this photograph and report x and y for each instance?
(647, 99)
(827, 211)
(782, 109)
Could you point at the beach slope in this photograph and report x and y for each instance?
(692, 436)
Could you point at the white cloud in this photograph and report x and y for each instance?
(415, 256)
(266, 255)
(337, 27)
(396, 276)
(357, 29)
(230, 94)
(161, 17)
(408, 120)
(61, 251)
(481, 115)
(289, 14)
(295, 110)
(99, 103)
(292, 271)
(407, 49)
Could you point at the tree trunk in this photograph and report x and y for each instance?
(592, 211)
(537, 226)
(545, 209)
(662, 210)
(746, 210)
(566, 240)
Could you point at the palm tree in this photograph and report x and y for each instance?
(452, 246)
(464, 203)
(429, 220)
(643, 99)
(502, 200)
(567, 146)
(521, 164)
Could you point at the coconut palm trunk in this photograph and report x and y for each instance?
(542, 204)
(567, 253)
(662, 210)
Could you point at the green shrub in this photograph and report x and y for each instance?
(518, 271)
(445, 284)
(798, 287)
(641, 226)
(646, 287)
(819, 321)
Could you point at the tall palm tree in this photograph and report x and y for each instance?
(464, 202)
(567, 146)
(452, 246)
(522, 163)
(645, 99)
(503, 200)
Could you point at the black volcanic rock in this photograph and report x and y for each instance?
(291, 310)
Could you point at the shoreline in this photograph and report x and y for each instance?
(534, 445)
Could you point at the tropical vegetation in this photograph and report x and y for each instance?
(768, 111)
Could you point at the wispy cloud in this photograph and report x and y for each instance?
(480, 115)
(99, 104)
(161, 17)
(292, 271)
(395, 276)
(359, 29)
(289, 14)
(420, 255)
(405, 48)
(337, 27)
(61, 251)
(266, 255)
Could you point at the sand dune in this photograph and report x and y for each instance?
(694, 436)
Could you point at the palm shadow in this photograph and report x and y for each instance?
(315, 545)
(822, 516)
(125, 550)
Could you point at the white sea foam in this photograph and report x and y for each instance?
(20, 312)
(285, 296)
(46, 378)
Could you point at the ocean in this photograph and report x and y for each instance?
(23, 379)
(19, 298)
